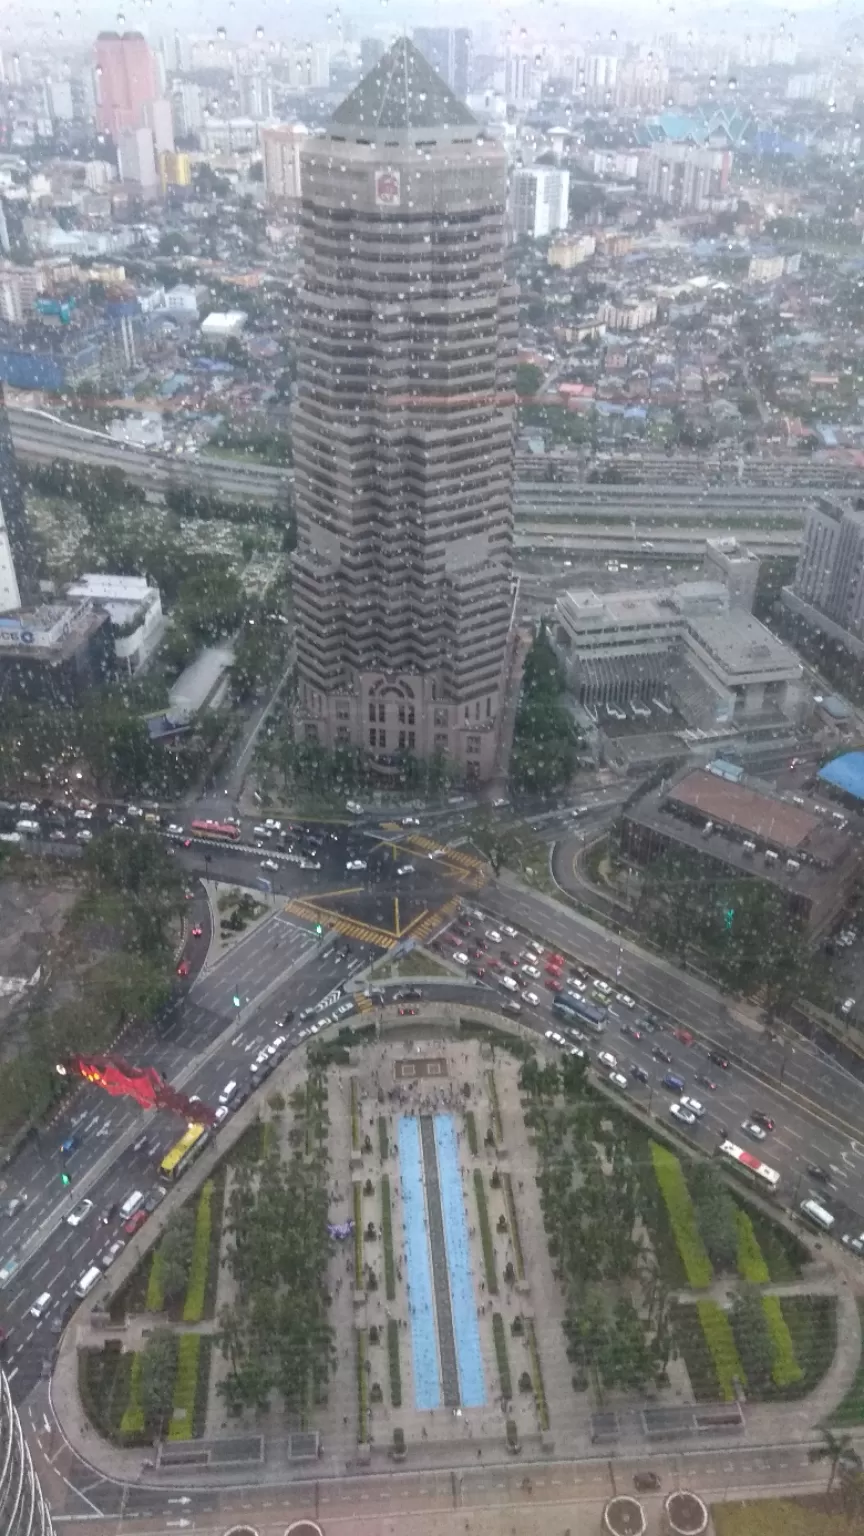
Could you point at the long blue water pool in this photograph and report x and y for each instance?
(421, 1310)
(466, 1327)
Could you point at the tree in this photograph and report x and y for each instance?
(751, 1329)
(158, 1369)
(838, 1450)
(715, 1215)
(545, 736)
(175, 1252)
(528, 378)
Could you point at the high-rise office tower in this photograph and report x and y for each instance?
(448, 50)
(403, 425)
(125, 81)
(17, 557)
(281, 147)
(23, 1510)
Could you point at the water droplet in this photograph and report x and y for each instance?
(259, 32)
(221, 34)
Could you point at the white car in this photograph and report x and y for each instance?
(577, 986)
(603, 988)
(356, 864)
(460, 957)
(606, 1059)
(405, 869)
(110, 1254)
(530, 970)
(79, 1213)
(855, 1243)
(354, 807)
(41, 1305)
(308, 864)
(618, 1080)
(532, 998)
(175, 830)
(410, 821)
(626, 999)
(84, 836)
(553, 1035)
(508, 983)
(693, 1105)
(537, 948)
(511, 932)
(222, 1113)
(847, 1006)
(273, 826)
(269, 864)
(83, 815)
(753, 1129)
(493, 936)
(686, 1116)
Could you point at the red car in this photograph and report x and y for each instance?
(556, 960)
(554, 984)
(553, 970)
(408, 1013)
(493, 964)
(183, 968)
(453, 938)
(187, 842)
(683, 1035)
(477, 954)
(478, 970)
(197, 931)
(134, 1223)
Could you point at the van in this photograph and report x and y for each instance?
(131, 1204)
(675, 1084)
(41, 1305)
(812, 1211)
(87, 1281)
(32, 828)
(228, 1092)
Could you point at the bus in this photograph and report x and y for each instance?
(577, 1010)
(193, 1141)
(767, 1178)
(220, 829)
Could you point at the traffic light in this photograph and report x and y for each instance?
(730, 917)
(65, 1179)
(236, 999)
(319, 929)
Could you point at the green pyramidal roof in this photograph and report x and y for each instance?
(402, 92)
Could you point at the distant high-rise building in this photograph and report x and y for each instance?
(60, 103)
(686, 176)
(175, 170)
(188, 111)
(539, 201)
(829, 578)
(136, 158)
(518, 81)
(281, 148)
(125, 80)
(448, 50)
(371, 50)
(17, 557)
(256, 97)
(158, 118)
(403, 426)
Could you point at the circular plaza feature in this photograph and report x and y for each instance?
(624, 1516)
(686, 1515)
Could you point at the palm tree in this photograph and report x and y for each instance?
(838, 1451)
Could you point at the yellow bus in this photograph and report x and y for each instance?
(193, 1141)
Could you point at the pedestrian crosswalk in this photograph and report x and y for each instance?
(362, 1003)
(430, 922)
(349, 927)
(465, 866)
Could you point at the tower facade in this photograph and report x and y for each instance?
(403, 426)
(126, 81)
(23, 1510)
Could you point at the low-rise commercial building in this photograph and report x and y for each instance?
(135, 611)
(746, 828)
(55, 651)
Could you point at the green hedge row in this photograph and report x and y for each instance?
(387, 1232)
(496, 1107)
(537, 1375)
(682, 1216)
(362, 1406)
(724, 1351)
(485, 1234)
(193, 1306)
(499, 1334)
(154, 1301)
(104, 1377)
(785, 1370)
(132, 1422)
(471, 1129)
(751, 1263)
(507, 1185)
(358, 1236)
(383, 1143)
(185, 1387)
(395, 1363)
(355, 1117)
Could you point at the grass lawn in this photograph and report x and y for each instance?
(415, 963)
(781, 1250)
(851, 1410)
(782, 1517)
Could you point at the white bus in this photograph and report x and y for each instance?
(766, 1178)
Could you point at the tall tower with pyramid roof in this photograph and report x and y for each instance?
(403, 426)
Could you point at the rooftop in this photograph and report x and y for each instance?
(743, 645)
(402, 92)
(845, 772)
(734, 805)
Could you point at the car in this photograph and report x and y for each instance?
(84, 836)
(107, 1258)
(27, 807)
(309, 864)
(41, 1305)
(856, 1244)
(680, 1112)
(57, 836)
(847, 1006)
(454, 938)
(632, 1030)
(693, 1105)
(553, 1035)
(639, 1073)
(553, 984)
(222, 1113)
(408, 1013)
(651, 1023)
(683, 1035)
(706, 1082)
(511, 1006)
(460, 957)
(480, 941)
(576, 985)
(197, 931)
(174, 829)
(16, 1204)
(157, 1195)
(493, 936)
(603, 988)
(188, 895)
(81, 815)
(511, 933)
(659, 1054)
(760, 1117)
(269, 864)
(109, 1213)
(508, 983)
(531, 971)
(553, 968)
(187, 842)
(354, 864)
(616, 1079)
(606, 1059)
(532, 998)
(479, 971)
(719, 1059)
(493, 962)
(626, 999)
(135, 1223)
(273, 826)
(79, 1213)
(820, 1174)
(752, 1129)
(507, 957)
(183, 968)
(354, 807)
(478, 953)
(410, 821)
(556, 960)
(646, 1482)
(405, 869)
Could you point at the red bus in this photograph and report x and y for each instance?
(219, 829)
